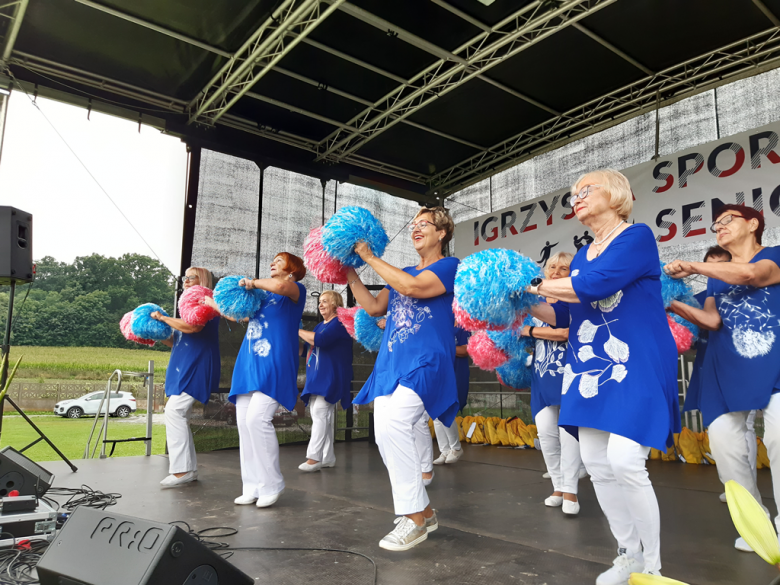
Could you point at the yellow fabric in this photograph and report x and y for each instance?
(490, 431)
(479, 432)
(465, 424)
(689, 446)
(459, 422)
(704, 446)
(501, 432)
(430, 426)
(762, 459)
(670, 454)
(752, 523)
(514, 436)
(655, 454)
(532, 430)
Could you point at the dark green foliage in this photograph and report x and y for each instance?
(80, 304)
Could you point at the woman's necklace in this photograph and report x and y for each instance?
(605, 238)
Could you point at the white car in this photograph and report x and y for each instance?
(122, 404)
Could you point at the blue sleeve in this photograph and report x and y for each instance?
(701, 297)
(445, 270)
(330, 335)
(710, 288)
(562, 318)
(633, 255)
(773, 254)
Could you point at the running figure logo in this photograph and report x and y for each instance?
(546, 253)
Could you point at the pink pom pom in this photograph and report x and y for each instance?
(465, 320)
(124, 327)
(484, 352)
(191, 309)
(682, 336)
(347, 319)
(317, 261)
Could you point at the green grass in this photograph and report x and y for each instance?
(44, 364)
(70, 436)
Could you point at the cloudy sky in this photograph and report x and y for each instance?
(144, 173)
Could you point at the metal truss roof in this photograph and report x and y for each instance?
(416, 97)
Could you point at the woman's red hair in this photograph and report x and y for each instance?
(293, 265)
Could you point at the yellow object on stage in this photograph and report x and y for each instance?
(752, 523)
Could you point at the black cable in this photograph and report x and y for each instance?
(18, 561)
(207, 535)
(19, 313)
(84, 496)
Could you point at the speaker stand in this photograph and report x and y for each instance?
(6, 347)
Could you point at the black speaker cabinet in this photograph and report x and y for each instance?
(16, 257)
(96, 547)
(17, 472)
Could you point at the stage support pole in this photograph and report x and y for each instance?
(150, 407)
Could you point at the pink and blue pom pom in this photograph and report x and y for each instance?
(484, 353)
(348, 226)
(515, 373)
(127, 332)
(683, 338)
(346, 317)
(322, 265)
(490, 286)
(367, 331)
(143, 326)
(235, 301)
(192, 309)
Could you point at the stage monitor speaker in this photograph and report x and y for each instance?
(16, 256)
(19, 473)
(96, 547)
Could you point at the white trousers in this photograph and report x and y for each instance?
(729, 444)
(181, 446)
(560, 450)
(259, 446)
(396, 418)
(447, 437)
(323, 414)
(424, 443)
(617, 469)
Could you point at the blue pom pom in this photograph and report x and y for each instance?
(348, 226)
(490, 285)
(367, 332)
(143, 326)
(694, 329)
(673, 289)
(515, 373)
(235, 301)
(511, 342)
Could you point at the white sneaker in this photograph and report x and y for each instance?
(244, 500)
(329, 464)
(571, 508)
(265, 501)
(722, 497)
(621, 570)
(431, 523)
(546, 475)
(454, 455)
(173, 481)
(441, 459)
(427, 482)
(649, 572)
(740, 544)
(404, 536)
(553, 501)
(310, 467)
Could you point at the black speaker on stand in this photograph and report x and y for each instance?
(16, 266)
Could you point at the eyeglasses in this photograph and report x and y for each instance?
(188, 278)
(421, 225)
(583, 193)
(725, 221)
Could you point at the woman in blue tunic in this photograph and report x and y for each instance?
(328, 380)
(560, 449)
(741, 369)
(620, 379)
(265, 376)
(193, 374)
(414, 370)
(448, 437)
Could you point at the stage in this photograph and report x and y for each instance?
(493, 526)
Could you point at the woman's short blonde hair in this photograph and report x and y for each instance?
(335, 297)
(204, 276)
(442, 221)
(559, 258)
(617, 188)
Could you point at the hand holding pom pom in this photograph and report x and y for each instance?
(236, 301)
(144, 326)
(672, 287)
(127, 332)
(322, 265)
(192, 307)
(348, 226)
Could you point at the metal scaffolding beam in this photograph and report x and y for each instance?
(522, 30)
(258, 55)
(747, 57)
(14, 11)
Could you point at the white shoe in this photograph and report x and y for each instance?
(740, 544)
(431, 524)
(621, 570)
(454, 455)
(553, 501)
(173, 481)
(404, 536)
(427, 482)
(441, 459)
(722, 497)
(310, 467)
(656, 573)
(583, 473)
(329, 464)
(244, 500)
(571, 508)
(265, 501)
(546, 475)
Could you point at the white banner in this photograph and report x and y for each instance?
(675, 196)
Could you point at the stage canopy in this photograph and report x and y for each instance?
(417, 98)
